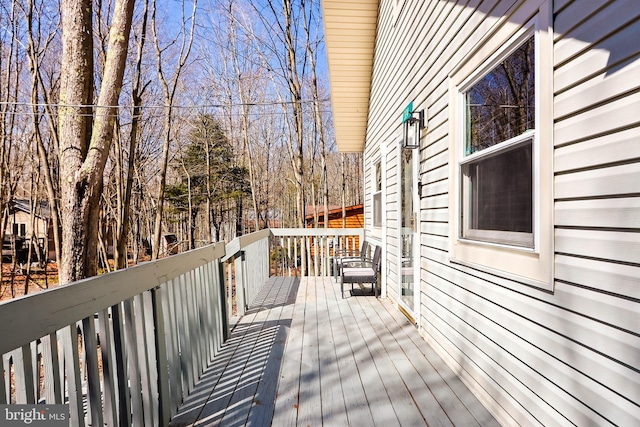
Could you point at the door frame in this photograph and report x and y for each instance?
(412, 314)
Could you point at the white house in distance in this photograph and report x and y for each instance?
(510, 219)
(25, 222)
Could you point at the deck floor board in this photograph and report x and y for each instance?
(304, 356)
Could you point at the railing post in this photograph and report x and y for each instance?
(240, 283)
(224, 309)
(164, 393)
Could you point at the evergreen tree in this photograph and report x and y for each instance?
(210, 180)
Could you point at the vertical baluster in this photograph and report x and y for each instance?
(187, 300)
(211, 299)
(282, 257)
(230, 286)
(23, 374)
(297, 242)
(4, 381)
(316, 248)
(189, 327)
(145, 356)
(193, 325)
(151, 382)
(74, 386)
(162, 355)
(94, 392)
(35, 370)
(307, 242)
(109, 378)
(290, 259)
(184, 334)
(133, 359)
(326, 270)
(225, 314)
(173, 344)
(51, 364)
(121, 367)
(240, 303)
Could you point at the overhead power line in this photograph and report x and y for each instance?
(149, 107)
(26, 108)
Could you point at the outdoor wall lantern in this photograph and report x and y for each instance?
(413, 123)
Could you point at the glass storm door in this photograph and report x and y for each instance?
(408, 233)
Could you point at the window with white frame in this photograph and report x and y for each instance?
(377, 195)
(497, 173)
(501, 151)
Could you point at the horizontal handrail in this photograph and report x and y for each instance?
(326, 232)
(240, 243)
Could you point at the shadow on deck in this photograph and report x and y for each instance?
(304, 356)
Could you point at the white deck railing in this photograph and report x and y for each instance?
(127, 347)
(319, 246)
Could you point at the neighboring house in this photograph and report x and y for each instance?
(19, 224)
(354, 217)
(511, 222)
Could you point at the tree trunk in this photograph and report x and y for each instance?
(84, 144)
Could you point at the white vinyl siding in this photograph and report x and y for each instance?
(566, 355)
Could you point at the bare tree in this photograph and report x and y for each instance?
(85, 140)
(37, 45)
(169, 86)
(124, 178)
(11, 156)
(7, 70)
(245, 75)
(311, 49)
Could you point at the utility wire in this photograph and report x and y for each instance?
(95, 109)
(247, 104)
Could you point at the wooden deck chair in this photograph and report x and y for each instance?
(362, 271)
(339, 257)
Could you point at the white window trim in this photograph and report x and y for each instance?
(375, 192)
(531, 266)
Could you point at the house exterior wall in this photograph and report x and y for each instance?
(559, 351)
(19, 217)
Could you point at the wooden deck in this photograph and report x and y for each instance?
(303, 356)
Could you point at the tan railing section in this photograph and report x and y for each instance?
(127, 347)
